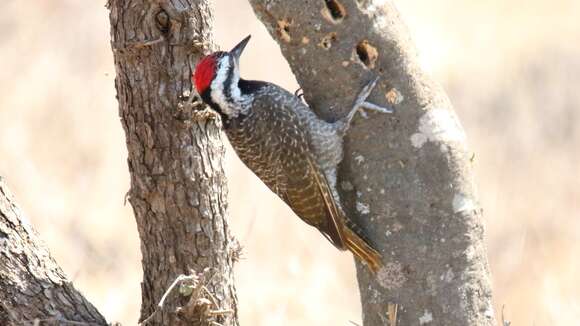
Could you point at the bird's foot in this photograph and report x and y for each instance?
(361, 104)
(299, 93)
(190, 107)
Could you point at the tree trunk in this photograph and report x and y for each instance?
(406, 178)
(33, 288)
(178, 188)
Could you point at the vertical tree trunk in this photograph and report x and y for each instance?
(406, 177)
(32, 286)
(178, 188)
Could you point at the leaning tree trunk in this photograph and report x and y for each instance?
(33, 288)
(178, 188)
(406, 177)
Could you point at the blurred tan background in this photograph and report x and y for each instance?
(512, 68)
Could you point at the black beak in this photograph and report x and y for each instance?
(236, 52)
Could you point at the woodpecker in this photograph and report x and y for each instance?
(293, 151)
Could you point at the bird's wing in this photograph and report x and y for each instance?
(306, 192)
(316, 205)
(335, 218)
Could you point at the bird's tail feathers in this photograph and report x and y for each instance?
(362, 250)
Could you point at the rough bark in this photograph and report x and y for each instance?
(406, 177)
(33, 288)
(178, 188)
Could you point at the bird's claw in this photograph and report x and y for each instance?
(361, 100)
(377, 108)
(189, 107)
(299, 93)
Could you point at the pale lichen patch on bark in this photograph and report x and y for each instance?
(438, 125)
(391, 276)
(371, 6)
(448, 276)
(426, 318)
(362, 208)
(462, 203)
(394, 97)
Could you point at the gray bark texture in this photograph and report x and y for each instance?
(406, 178)
(178, 187)
(33, 288)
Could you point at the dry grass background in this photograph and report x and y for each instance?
(511, 67)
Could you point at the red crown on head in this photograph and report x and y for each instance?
(204, 73)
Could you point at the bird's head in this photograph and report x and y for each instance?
(212, 71)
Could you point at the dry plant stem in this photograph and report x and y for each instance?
(504, 322)
(392, 314)
(178, 187)
(406, 176)
(176, 282)
(33, 288)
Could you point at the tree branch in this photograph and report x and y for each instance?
(406, 178)
(33, 288)
(178, 189)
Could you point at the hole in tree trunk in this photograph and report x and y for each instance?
(284, 30)
(327, 41)
(367, 54)
(163, 21)
(336, 10)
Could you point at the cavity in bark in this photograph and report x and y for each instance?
(367, 53)
(336, 10)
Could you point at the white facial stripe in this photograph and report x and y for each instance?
(238, 103)
(217, 91)
(235, 91)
